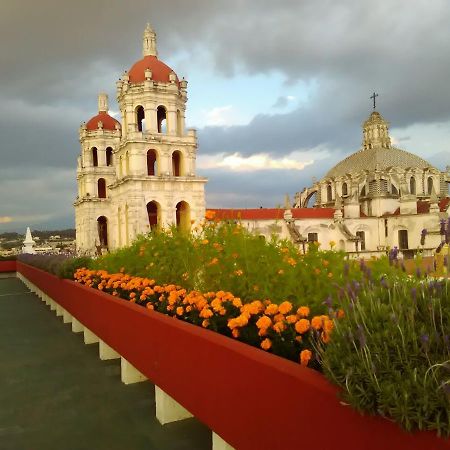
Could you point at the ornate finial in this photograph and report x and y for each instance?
(149, 42)
(102, 102)
(376, 132)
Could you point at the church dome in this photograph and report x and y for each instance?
(377, 158)
(377, 152)
(160, 71)
(109, 123)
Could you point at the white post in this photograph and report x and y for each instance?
(219, 444)
(167, 409)
(77, 327)
(89, 336)
(129, 374)
(106, 352)
(59, 310)
(67, 317)
(52, 305)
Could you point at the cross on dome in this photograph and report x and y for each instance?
(374, 96)
(149, 42)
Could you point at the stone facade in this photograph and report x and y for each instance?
(138, 173)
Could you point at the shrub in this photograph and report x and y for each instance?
(225, 256)
(391, 352)
(64, 266)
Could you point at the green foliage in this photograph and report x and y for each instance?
(225, 256)
(67, 267)
(391, 352)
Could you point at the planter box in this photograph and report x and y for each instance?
(7, 266)
(252, 399)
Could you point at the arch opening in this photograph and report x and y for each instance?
(177, 163)
(344, 189)
(329, 193)
(109, 156)
(101, 188)
(412, 185)
(183, 216)
(140, 118)
(102, 229)
(152, 166)
(430, 185)
(94, 157)
(153, 213)
(161, 117)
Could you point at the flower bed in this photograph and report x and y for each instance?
(252, 399)
(281, 329)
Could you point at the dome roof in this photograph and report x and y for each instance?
(160, 71)
(377, 158)
(109, 123)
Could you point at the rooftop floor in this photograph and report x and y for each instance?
(55, 392)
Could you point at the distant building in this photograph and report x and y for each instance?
(377, 198)
(138, 173)
(28, 243)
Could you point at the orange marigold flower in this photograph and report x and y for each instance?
(266, 344)
(235, 333)
(285, 307)
(235, 255)
(298, 338)
(305, 356)
(238, 272)
(205, 242)
(205, 323)
(303, 311)
(325, 262)
(180, 310)
(150, 306)
(317, 271)
(262, 332)
(279, 318)
(340, 313)
(279, 327)
(302, 326)
(291, 319)
(206, 313)
(237, 302)
(317, 322)
(328, 325)
(264, 322)
(330, 275)
(271, 309)
(133, 294)
(325, 337)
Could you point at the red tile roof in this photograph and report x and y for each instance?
(272, 213)
(160, 71)
(109, 123)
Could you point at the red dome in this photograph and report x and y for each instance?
(109, 123)
(160, 71)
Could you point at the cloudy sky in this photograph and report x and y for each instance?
(277, 89)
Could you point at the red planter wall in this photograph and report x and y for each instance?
(252, 399)
(7, 266)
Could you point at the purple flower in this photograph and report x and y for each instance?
(346, 269)
(418, 272)
(328, 301)
(361, 337)
(384, 283)
(414, 294)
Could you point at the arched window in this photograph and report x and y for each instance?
(344, 189)
(94, 157)
(161, 117)
(183, 216)
(430, 185)
(102, 228)
(153, 212)
(363, 191)
(140, 117)
(329, 193)
(109, 156)
(176, 164)
(179, 123)
(151, 163)
(362, 239)
(101, 188)
(412, 185)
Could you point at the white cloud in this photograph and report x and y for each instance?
(224, 116)
(261, 161)
(6, 219)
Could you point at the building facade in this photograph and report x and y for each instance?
(139, 173)
(378, 198)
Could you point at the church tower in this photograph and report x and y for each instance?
(152, 181)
